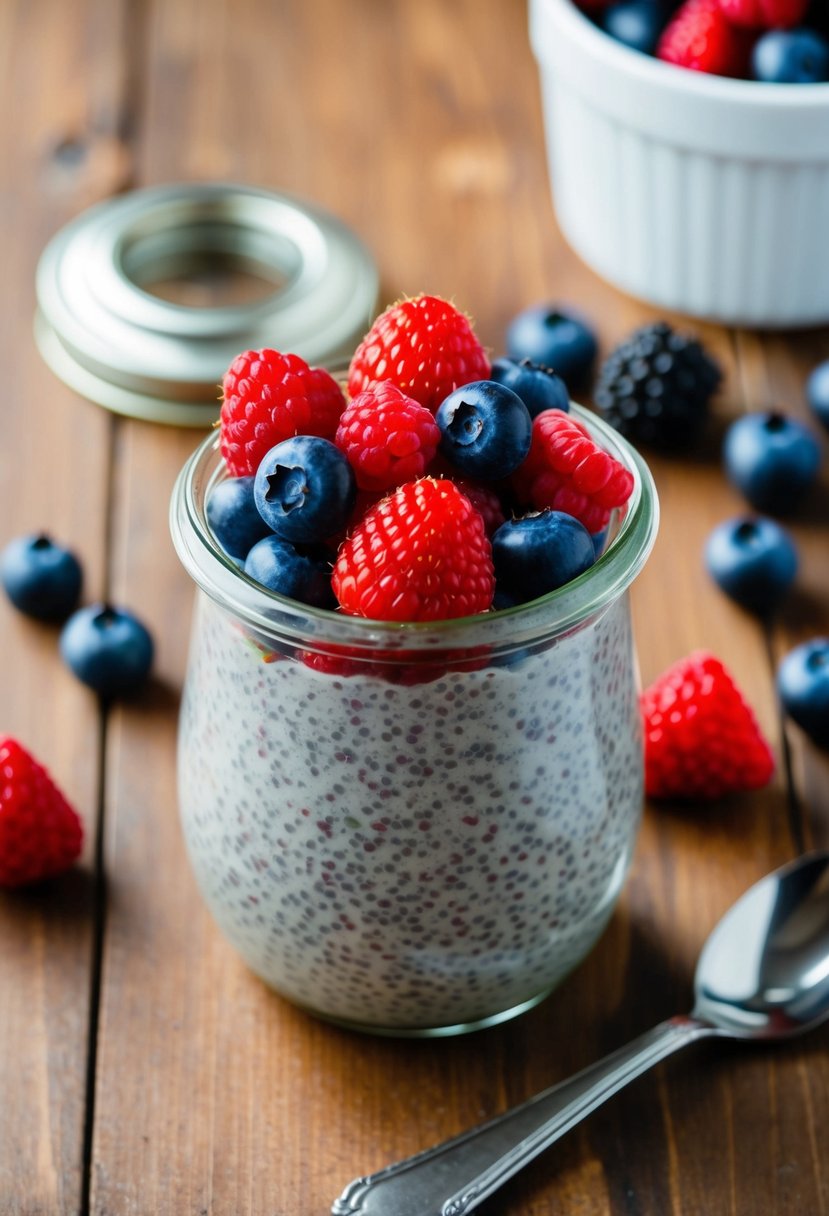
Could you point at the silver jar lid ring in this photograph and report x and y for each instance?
(111, 339)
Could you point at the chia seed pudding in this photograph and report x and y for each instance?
(411, 856)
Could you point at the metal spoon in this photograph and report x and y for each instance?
(763, 974)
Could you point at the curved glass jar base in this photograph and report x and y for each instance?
(439, 1032)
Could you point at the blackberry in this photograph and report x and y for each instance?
(655, 387)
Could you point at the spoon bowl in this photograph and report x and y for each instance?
(763, 974)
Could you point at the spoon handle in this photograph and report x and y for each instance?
(453, 1178)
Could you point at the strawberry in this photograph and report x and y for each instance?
(268, 397)
(699, 36)
(388, 437)
(40, 834)
(425, 346)
(765, 14)
(419, 555)
(566, 471)
(701, 737)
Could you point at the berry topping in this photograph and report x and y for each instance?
(108, 649)
(425, 346)
(267, 397)
(699, 36)
(765, 14)
(305, 489)
(656, 386)
(754, 561)
(566, 471)
(701, 737)
(552, 337)
(485, 501)
(419, 555)
(791, 57)
(388, 437)
(540, 388)
(40, 834)
(772, 459)
(233, 517)
(300, 574)
(803, 685)
(485, 429)
(40, 577)
(539, 553)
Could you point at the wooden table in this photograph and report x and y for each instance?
(142, 1068)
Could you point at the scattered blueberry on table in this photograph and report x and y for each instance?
(557, 338)
(772, 459)
(817, 393)
(803, 685)
(108, 649)
(41, 577)
(754, 561)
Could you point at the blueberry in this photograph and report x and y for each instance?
(485, 429)
(554, 338)
(791, 57)
(599, 541)
(540, 388)
(299, 574)
(108, 649)
(540, 552)
(636, 23)
(817, 392)
(233, 517)
(803, 686)
(772, 459)
(754, 561)
(40, 577)
(305, 489)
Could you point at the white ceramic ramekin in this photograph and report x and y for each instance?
(697, 193)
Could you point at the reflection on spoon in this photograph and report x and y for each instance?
(763, 974)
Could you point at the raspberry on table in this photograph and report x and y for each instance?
(765, 14)
(700, 37)
(387, 436)
(421, 554)
(267, 397)
(40, 834)
(566, 471)
(425, 346)
(702, 739)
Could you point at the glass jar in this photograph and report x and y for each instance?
(411, 828)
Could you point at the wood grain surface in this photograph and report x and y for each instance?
(143, 1069)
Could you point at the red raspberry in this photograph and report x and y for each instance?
(700, 37)
(701, 737)
(425, 346)
(268, 397)
(567, 471)
(388, 437)
(765, 14)
(485, 501)
(420, 555)
(40, 834)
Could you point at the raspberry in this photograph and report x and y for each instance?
(40, 834)
(701, 737)
(765, 14)
(423, 345)
(268, 397)
(700, 37)
(388, 437)
(485, 501)
(567, 471)
(420, 555)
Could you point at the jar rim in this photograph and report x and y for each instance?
(276, 617)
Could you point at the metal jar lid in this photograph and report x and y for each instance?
(114, 342)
